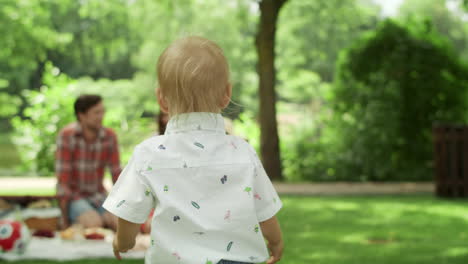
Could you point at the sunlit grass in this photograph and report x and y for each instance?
(367, 230)
(375, 229)
(27, 191)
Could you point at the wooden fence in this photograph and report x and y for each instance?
(451, 160)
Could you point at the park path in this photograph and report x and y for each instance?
(336, 188)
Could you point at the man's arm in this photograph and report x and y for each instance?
(63, 169)
(124, 239)
(114, 161)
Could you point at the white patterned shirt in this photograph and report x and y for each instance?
(209, 191)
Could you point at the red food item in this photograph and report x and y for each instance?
(94, 236)
(44, 233)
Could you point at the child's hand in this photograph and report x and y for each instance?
(124, 239)
(276, 251)
(116, 249)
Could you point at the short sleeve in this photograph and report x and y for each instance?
(131, 198)
(267, 201)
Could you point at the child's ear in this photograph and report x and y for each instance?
(162, 101)
(227, 96)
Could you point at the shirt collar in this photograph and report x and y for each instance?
(195, 121)
(79, 130)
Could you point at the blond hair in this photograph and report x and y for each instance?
(193, 75)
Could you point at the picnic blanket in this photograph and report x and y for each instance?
(58, 249)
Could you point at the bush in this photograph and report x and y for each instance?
(390, 88)
(375, 122)
(310, 150)
(247, 127)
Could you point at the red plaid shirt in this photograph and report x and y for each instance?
(79, 165)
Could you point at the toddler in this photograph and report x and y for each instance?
(213, 202)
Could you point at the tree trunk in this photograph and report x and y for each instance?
(265, 44)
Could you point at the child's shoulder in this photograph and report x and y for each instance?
(240, 141)
(150, 144)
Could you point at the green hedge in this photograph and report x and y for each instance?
(375, 124)
(391, 87)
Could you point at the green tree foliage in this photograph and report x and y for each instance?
(449, 23)
(27, 35)
(8, 104)
(48, 111)
(232, 24)
(83, 38)
(102, 38)
(310, 146)
(391, 87)
(311, 34)
(358, 127)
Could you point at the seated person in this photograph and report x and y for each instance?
(84, 149)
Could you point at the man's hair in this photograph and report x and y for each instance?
(84, 102)
(193, 74)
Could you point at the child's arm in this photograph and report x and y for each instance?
(125, 237)
(272, 232)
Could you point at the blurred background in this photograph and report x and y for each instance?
(359, 83)
(369, 98)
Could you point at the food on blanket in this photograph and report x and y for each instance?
(77, 232)
(4, 205)
(96, 233)
(14, 236)
(40, 204)
(74, 232)
(95, 236)
(67, 234)
(44, 233)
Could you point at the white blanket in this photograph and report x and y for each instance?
(58, 249)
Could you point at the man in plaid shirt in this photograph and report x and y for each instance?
(84, 149)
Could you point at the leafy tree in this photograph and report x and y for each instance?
(313, 32)
(390, 88)
(446, 22)
(102, 38)
(8, 104)
(232, 26)
(27, 35)
(80, 37)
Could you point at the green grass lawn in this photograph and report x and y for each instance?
(367, 230)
